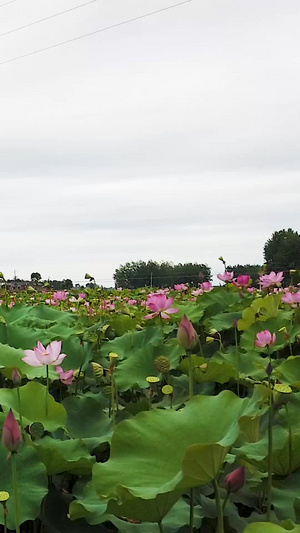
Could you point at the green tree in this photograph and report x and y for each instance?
(151, 273)
(35, 276)
(282, 252)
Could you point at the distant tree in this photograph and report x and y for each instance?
(151, 273)
(35, 276)
(282, 252)
(254, 271)
(67, 284)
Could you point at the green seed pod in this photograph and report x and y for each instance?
(106, 391)
(281, 394)
(167, 389)
(98, 370)
(36, 430)
(162, 364)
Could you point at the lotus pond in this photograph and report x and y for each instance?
(149, 411)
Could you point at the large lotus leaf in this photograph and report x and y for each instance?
(124, 345)
(88, 506)
(193, 311)
(205, 370)
(32, 483)
(261, 308)
(218, 300)
(157, 441)
(260, 527)
(123, 323)
(24, 327)
(94, 511)
(256, 453)
(284, 495)
(64, 456)
(224, 321)
(148, 510)
(33, 405)
(203, 461)
(87, 420)
(248, 364)
(289, 371)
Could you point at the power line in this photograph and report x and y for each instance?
(94, 32)
(6, 4)
(46, 18)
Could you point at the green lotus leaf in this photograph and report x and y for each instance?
(64, 456)
(33, 405)
(148, 440)
(87, 421)
(224, 321)
(133, 341)
(261, 527)
(289, 371)
(221, 372)
(284, 495)
(148, 510)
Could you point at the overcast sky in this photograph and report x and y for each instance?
(175, 137)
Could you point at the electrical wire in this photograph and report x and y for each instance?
(47, 18)
(93, 32)
(6, 3)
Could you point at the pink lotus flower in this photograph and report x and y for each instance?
(131, 302)
(60, 296)
(207, 286)
(187, 335)
(65, 376)
(161, 306)
(11, 434)
(235, 480)
(41, 356)
(227, 276)
(82, 295)
(197, 292)
(291, 298)
(242, 281)
(265, 338)
(181, 287)
(267, 280)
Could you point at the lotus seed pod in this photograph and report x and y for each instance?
(167, 389)
(152, 379)
(36, 430)
(4, 496)
(162, 364)
(203, 367)
(106, 391)
(209, 340)
(113, 358)
(281, 394)
(78, 374)
(98, 370)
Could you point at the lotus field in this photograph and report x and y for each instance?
(151, 411)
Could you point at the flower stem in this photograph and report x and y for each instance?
(270, 451)
(290, 439)
(191, 510)
(237, 360)
(160, 527)
(19, 408)
(47, 389)
(112, 379)
(220, 524)
(15, 489)
(191, 377)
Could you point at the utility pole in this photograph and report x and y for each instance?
(151, 279)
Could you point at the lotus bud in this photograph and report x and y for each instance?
(11, 434)
(281, 394)
(16, 377)
(235, 480)
(269, 369)
(162, 364)
(187, 335)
